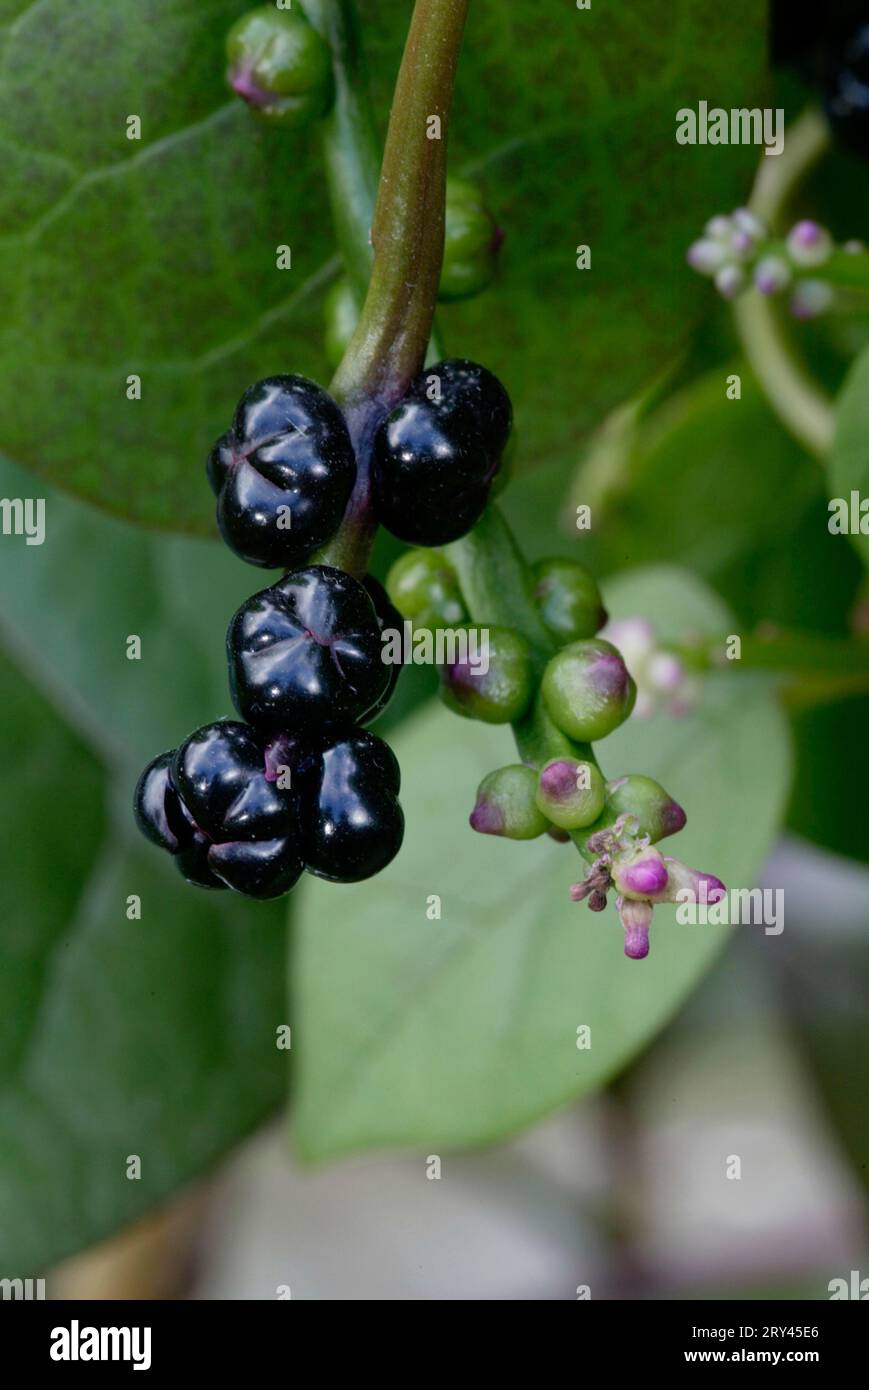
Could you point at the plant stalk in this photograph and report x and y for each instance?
(407, 232)
(803, 407)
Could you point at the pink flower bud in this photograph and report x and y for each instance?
(636, 920)
(642, 873)
(701, 887)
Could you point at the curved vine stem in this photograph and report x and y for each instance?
(407, 234)
(803, 407)
(404, 246)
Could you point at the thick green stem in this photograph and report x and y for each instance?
(496, 583)
(404, 236)
(497, 588)
(389, 345)
(800, 403)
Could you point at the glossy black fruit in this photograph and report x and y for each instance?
(437, 453)
(220, 806)
(353, 825)
(162, 816)
(306, 652)
(283, 473)
(388, 620)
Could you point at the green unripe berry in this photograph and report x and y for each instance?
(499, 694)
(569, 600)
(506, 804)
(471, 242)
(341, 315)
(424, 588)
(570, 793)
(587, 690)
(279, 65)
(656, 813)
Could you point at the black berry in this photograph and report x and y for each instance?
(283, 473)
(437, 453)
(352, 825)
(162, 816)
(306, 652)
(388, 620)
(223, 806)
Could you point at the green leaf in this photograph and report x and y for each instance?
(50, 781)
(458, 1031)
(719, 486)
(157, 257)
(828, 803)
(74, 600)
(849, 460)
(152, 1037)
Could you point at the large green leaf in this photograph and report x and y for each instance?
(157, 257)
(849, 461)
(152, 1037)
(457, 1031)
(71, 603)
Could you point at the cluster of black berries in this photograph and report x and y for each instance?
(830, 47)
(301, 783)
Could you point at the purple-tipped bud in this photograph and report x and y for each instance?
(692, 884)
(637, 805)
(640, 873)
(588, 690)
(487, 818)
(750, 223)
(729, 280)
(743, 244)
(811, 298)
(809, 244)
(243, 83)
(706, 255)
(506, 804)
(279, 65)
(636, 920)
(719, 227)
(570, 792)
(772, 274)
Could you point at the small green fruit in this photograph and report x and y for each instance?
(499, 694)
(569, 600)
(471, 242)
(425, 588)
(570, 792)
(506, 804)
(341, 315)
(587, 690)
(656, 813)
(279, 65)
